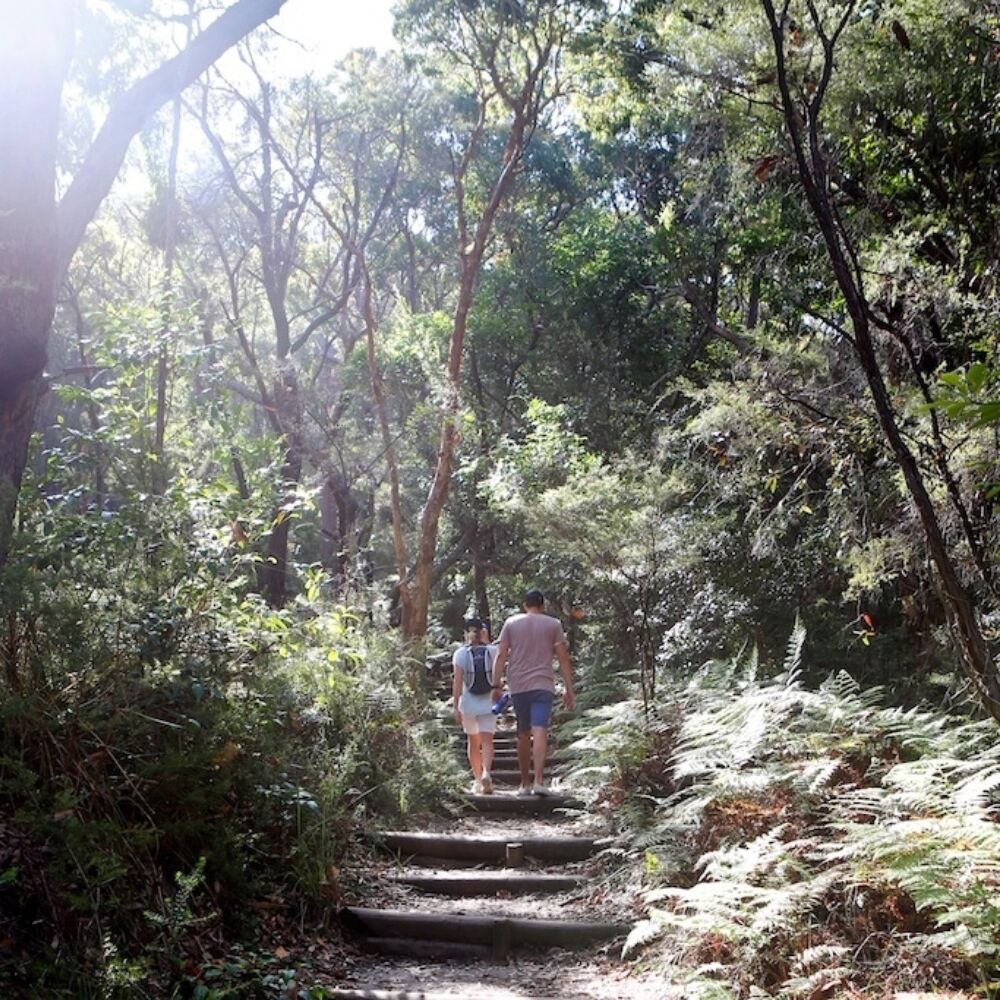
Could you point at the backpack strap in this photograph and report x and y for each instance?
(463, 658)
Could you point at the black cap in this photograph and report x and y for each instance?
(473, 623)
(534, 598)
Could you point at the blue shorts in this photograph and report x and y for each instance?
(532, 708)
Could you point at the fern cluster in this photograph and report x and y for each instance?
(814, 842)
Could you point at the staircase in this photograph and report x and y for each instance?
(501, 888)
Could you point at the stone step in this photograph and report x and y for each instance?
(520, 805)
(488, 883)
(459, 847)
(500, 934)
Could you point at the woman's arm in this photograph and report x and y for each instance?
(456, 690)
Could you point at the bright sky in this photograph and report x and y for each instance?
(328, 29)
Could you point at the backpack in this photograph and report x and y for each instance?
(478, 673)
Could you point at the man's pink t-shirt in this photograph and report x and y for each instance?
(532, 639)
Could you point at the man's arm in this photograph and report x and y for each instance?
(566, 669)
(501, 662)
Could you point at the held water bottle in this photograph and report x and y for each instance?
(501, 704)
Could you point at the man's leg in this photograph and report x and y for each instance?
(541, 714)
(522, 710)
(524, 756)
(540, 747)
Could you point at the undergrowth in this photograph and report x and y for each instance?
(801, 843)
(182, 768)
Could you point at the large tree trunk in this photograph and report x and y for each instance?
(812, 161)
(395, 493)
(37, 239)
(430, 517)
(471, 257)
(34, 67)
(288, 403)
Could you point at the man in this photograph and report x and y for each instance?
(528, 642)
(474, 665)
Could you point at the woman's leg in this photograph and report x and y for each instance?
(475, 757)
(486, 751)
(486, 758)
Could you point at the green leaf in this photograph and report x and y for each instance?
(988, 413)
(977, 376)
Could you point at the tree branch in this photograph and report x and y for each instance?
(129, 113)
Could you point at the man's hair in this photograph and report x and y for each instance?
(534, 598)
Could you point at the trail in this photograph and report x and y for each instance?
(510, 901)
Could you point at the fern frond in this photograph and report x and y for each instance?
(792, 666)
(644, 932)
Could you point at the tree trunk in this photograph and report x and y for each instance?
(378, 393)
(331, 547)
(37, 239)
(471, 256)
(479, 584)
(430, 517)
(35, 61)
(288, 404)
(813, 168)
(339, 511)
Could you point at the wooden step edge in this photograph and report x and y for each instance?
(416, 948)
(535, 932)
(520, 805)
(498, 933)
(489, 884)
(505, 777)
(401, 924)
(443, 863)
(362, 994)
(468, 847)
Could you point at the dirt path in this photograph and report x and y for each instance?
(472, 921)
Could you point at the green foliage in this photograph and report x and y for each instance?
(796, 828)
(662, 423)
(159, 719)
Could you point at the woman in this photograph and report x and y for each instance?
(471, 689)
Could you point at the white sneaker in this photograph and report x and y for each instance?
(477, 787)
(486, 783)
(525, 790)
(541, 789)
